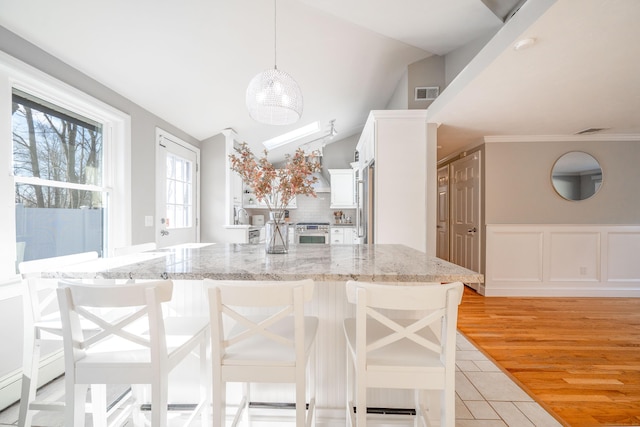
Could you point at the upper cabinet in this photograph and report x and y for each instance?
(343, 194)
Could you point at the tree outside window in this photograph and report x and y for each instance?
(57, 166)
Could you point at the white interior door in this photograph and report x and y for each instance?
(442, 222)
(465, 212)
(177, 189)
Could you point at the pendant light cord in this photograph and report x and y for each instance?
(275, 29)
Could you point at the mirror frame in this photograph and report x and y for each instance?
(584, 168)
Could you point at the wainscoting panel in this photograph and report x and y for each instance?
(574, 256)
(623, 257)
(562, 260)
(519, 255)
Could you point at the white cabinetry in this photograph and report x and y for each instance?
(236, 189)
(343, 194)
(401, 187)
(343, 235)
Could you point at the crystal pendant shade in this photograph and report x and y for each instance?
(274, 97)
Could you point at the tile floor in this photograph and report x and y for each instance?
(485, 397)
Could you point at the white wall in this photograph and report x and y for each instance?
(456, 60)
(400, 98)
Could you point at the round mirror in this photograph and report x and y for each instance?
(576, 175)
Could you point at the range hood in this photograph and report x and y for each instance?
(321, 185)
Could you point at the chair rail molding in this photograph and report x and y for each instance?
(563, 260)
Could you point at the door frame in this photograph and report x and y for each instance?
(163, 136)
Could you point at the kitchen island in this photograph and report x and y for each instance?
(322, 263)
(330, 266)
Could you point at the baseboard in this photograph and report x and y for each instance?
(51, 367)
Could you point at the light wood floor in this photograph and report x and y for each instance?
(578, 357)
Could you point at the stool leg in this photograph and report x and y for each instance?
(99, 405)
(30, 366)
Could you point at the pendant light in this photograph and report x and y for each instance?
(273, 96)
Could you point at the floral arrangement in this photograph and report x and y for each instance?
(276, 187)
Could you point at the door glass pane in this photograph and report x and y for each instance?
(179, 186)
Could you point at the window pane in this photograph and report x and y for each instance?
(171, 192)
(54, 144)
(179, 187)
(57, 229)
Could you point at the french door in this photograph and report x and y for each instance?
(177, 189)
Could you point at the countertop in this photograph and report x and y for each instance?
(379, 263)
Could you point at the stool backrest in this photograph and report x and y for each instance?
(228, 299)
(117, 311)
(437, 305)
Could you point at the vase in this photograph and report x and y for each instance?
(276, 234)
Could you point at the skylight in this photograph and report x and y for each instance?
(294, 135)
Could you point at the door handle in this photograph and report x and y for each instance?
(472, 230)
(164, 233)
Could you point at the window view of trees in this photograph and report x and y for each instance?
(55, 146)
(57, 167)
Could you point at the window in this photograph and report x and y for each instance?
(57, 167)
(95, 183)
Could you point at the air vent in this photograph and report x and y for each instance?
(590, 130)
(427, 93)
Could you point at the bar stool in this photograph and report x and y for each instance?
(134, 344)
(262, 348)
(42, 323)
(402, 337)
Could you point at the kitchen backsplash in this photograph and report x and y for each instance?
(311, 209)
(316, 209)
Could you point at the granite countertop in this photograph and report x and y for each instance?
(379, 263)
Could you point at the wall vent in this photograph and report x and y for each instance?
(427, 93)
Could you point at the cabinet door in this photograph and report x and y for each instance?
(236, 189)
(350, 235)
(342, 188)
(336, 234)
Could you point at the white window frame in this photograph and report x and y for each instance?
(116, 152)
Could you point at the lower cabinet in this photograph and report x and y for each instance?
(343, 235)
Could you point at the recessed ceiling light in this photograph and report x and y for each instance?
(524, 43)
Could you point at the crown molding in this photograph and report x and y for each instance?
(562, 138)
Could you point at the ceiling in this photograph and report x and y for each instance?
(190, 62)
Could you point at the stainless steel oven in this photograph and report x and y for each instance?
(312, 232)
